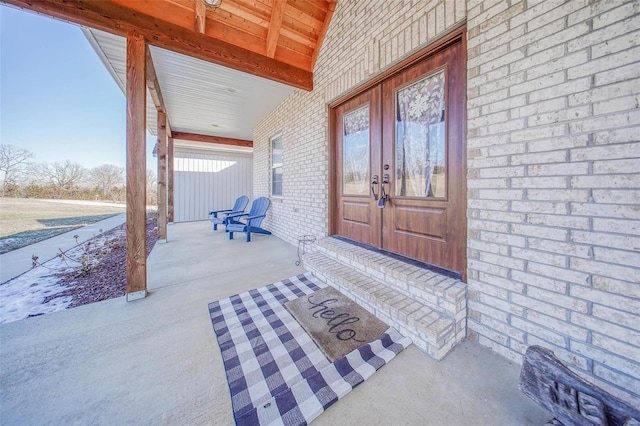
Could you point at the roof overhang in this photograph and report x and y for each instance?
(215, 103)
(215, 74)
(278, 40)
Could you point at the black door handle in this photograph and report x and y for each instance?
(374, 182)
(383, 193)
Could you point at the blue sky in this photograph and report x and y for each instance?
(56, 98)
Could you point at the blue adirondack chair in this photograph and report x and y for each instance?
(238, 208)
(253, 219)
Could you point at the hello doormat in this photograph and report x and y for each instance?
(275, 371)
(336, 323)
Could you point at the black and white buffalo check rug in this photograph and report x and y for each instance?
(277, 375)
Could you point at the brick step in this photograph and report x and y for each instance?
(431, 330)
(441, 293)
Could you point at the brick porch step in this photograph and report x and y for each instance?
(441, 292)
(421, 304)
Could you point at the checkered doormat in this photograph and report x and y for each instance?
(276, 373)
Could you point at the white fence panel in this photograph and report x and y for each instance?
(205, 181)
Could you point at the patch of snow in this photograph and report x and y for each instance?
(24, 295)
(9, 240)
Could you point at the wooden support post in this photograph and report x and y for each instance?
(170, 179)
(162, 177)
(136, 168)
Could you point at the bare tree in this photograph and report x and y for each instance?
(106, 177)
(152, 181)
(63, 175)
(152, 188)
(13, 164)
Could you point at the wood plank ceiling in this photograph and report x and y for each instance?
(274, 39)
(289, 31)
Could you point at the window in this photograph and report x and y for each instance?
(276, 166)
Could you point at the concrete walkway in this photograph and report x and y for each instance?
(18, 261)
(157, 361)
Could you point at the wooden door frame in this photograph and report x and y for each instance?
(458, 34)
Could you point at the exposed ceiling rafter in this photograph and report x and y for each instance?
(277, 13)
(201, 16)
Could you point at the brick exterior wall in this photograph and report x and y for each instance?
(553, 165)
(553, 176)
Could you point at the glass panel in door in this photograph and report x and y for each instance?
(355, 152)
(420, 138)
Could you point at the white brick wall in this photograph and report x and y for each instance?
(554, 178)
(303, 207)
(553, 164)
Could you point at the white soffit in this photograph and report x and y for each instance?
(112, 51)
(200, 97)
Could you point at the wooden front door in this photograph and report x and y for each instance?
(400, 174)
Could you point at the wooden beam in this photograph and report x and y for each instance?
(118, 19)
(195, 137)
(275, 24)
(323, 32)
(201, 16)
(136, 168)
(162, 176)
(170, 179)
(153, 84)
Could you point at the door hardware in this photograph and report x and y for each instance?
(373, 189)
(383, 193)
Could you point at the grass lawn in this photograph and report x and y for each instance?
(25, 221)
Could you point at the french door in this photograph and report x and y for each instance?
(358, 155)
(400, 179)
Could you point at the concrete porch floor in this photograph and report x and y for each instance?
(156, 361)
